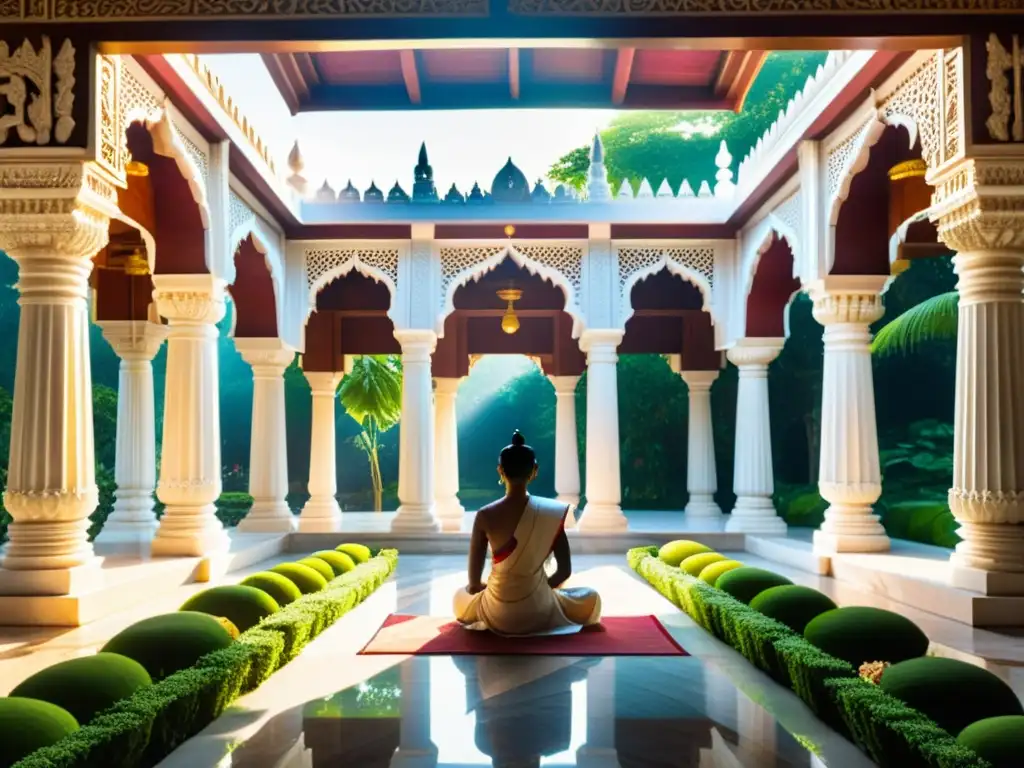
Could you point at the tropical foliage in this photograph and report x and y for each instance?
(371, 394)
(934, 319)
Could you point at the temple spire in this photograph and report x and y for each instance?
(423, 189)
(598, 190)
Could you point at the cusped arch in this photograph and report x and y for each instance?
(757, 243)
(325, 265)
(166, 143)
(661, 258)
(266, 244)
(484, 259)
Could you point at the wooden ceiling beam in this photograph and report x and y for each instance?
(620, 78)
(411, 76)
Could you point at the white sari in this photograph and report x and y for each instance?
(518, 600)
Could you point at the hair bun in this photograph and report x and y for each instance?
(518, 439)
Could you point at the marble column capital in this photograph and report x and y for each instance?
(848, 299)
(564, 385)
(699, 381)
(134, 340)
(266, 356)
(446, 386)
(324, 382)
(57, 211)
(754, 353)
(190, 300)
(601, 342)
(417, 344)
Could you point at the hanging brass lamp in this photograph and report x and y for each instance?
(136, 265)
(509, 321)
(136, 168)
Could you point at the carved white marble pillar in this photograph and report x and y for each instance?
(567, 453)
(268, 444)
(987, 497)
(850, 474)
(701, 471)
(51, 480)
(446, 454)
(321, 513)
(190, 463)
(416, 440)
(753, 473)
(136, 342)
(603, 511)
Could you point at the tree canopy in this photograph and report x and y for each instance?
(683, 145)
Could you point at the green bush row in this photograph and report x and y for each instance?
(142, 730)
(891, 733)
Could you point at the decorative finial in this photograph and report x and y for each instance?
(625, 190)
(723, 160)
(296, 165)
(325, 194)
(665, 190)
(598, 190)
(645, 190)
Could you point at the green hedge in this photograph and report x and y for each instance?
(143, 729)
(891, 733)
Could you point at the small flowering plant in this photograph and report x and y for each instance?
(872, 671)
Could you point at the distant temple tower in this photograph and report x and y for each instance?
(597, 177)
(423, 189)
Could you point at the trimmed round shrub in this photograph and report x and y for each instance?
(27, 725)
(859, 634)
(88, 685)
(302, 576)
(340, 562)
(675, 552)
(274, 584)
(245, 607)
(320, 566)
(953, 693)
(360, 553)
(170, 643)
(747, 582)
(694, 564)
(712, 572)
(792, 605)
(1000, 740)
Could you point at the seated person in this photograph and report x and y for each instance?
(523, 531)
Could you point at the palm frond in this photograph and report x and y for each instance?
(934, 319)
(373, 391)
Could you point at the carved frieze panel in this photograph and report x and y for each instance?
(44, 93)
(203, 10)
(999, 111)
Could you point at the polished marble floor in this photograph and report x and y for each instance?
(332, 707)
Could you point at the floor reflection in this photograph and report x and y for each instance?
(527, 712)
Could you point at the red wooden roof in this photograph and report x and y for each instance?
(478, 78)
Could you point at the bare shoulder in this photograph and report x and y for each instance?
(486, 513)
